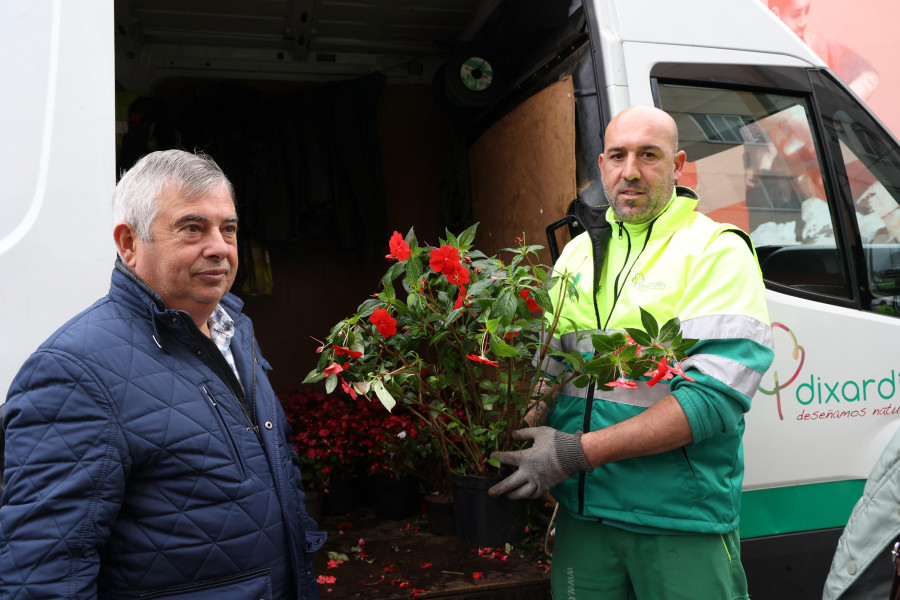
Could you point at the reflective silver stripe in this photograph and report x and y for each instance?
(642, 396)
(578, 340)
(724, 327)
(567, 342)
(732, 373)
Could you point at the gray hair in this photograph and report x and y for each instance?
(136, 198)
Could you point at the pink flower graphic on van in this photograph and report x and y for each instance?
(798, 354)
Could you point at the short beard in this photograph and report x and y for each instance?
(659, 196)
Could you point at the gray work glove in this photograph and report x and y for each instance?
(552, 458)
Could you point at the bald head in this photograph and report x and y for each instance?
(641, 163)
(657, 123)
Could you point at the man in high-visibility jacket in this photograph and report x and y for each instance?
(649, 479)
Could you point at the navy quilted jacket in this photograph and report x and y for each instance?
(132, 472)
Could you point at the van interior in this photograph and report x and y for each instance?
(340, 122)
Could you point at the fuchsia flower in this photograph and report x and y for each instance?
(622, 383)
(660, 373)
(676, 370)
(341, 350)
(399, 248)
(384, 322)
(482, 359)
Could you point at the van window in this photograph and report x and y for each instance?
(754, 162)
(871, 176)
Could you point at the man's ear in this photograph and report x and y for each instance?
(680, 159)
(126, 239)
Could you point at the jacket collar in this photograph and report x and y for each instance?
(684, 200)
(130, 289)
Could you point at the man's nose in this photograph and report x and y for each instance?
(631, 170)
(216, 245)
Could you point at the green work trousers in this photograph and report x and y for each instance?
(594, 561)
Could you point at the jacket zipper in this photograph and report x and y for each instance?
(223, 423)
(228, 376)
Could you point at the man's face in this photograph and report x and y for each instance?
(192, 260)
(639, 167)
(794, 14)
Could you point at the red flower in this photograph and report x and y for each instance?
(399, 248)
(659, 373)
(348, 389)
(333, 368)
(482, 359)
(458, 277)
(676, 370)
(461, 298)
(339, 350)
(445, 260)
(526, 296)
(623, 383)
(384, 322)
(477, 575)
(326, 579)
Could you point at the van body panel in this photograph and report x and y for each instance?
(58, 155)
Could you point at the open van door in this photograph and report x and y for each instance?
(779, 146)
(58, 157)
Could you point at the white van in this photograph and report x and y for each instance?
(776, 144)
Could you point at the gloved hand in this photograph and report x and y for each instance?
(552, 458)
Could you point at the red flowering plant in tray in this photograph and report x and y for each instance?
(453, 335)
(329, 435)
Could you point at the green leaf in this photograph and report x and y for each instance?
(331, 383)
(501, 348)
(639, 368)
(413, 271)
(650, 324)
(494, 462)
(640, 337)
(413, 301)
(603, 372)
(314, 376)
(543, 299)
(604, 344)
(467, 237)
(491, 325)
(505, 306)
(669, 331)
(385, 396)
(581, 381)
(479, 287)
(683, 347)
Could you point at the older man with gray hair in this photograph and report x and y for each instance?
(146, 453)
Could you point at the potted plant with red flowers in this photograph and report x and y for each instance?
(453, 336)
